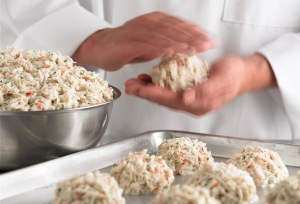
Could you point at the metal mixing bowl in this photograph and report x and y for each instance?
(28, 138)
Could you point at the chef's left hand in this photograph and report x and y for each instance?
(230, 77)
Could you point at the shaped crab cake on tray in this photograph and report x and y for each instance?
(92, 187)
(184, 194)
(287, 191)
(265, 166)
(140, 173)
(226, 183)
(184, 155)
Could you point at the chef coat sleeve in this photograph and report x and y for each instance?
(53, 25)
(284, 56)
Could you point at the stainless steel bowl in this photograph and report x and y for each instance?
(28, 138)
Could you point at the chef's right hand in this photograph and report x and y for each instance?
(141, 39)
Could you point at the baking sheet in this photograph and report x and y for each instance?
(36, 184)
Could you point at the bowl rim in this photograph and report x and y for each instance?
(116, 95)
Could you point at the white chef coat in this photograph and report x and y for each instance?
(270, 27)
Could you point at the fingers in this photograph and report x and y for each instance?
(174, 100)
(146, 53)
(143, 87)
(132, 86)
(141, 39)
(158, 94)
(221, 87)
(158, 34)
(158, 38)
(184, 31)
(150, 45)
(202, 46)
(145, 77)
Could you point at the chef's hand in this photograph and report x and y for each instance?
(230, 77)
(141, 39)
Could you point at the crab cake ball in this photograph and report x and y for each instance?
(225, 182)
(180, 71)
(265, 166)
(92, 187)
(287, 191)
(184, 155)
(184, 194)
(140, 173)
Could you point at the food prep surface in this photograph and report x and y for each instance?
(36, 184)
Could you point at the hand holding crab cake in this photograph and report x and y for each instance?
(229, 77)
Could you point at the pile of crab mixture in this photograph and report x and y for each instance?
(184, 155)
(264, 165)
(33, 80)
(92, 187)
(180, 71)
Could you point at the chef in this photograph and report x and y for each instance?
(252, 46)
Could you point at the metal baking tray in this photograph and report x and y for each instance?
(36, 184)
